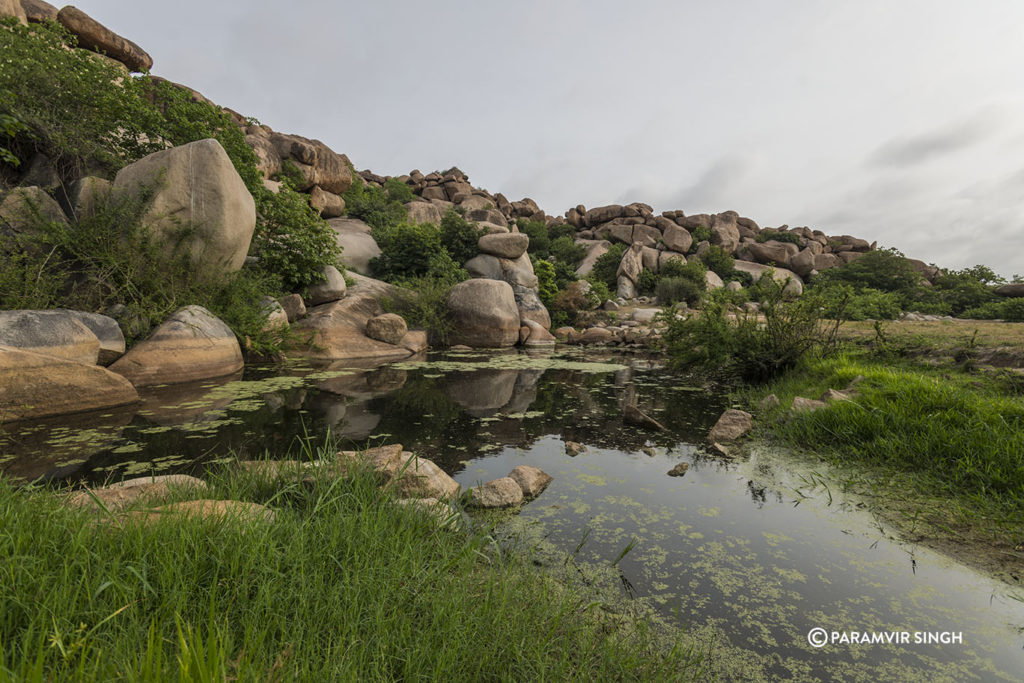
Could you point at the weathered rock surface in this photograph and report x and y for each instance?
(1013, 289)
(327, 203)
(806, 405)
(677, 239)
(93, 35)
(34, 385)
(532, 480)
(679, 470)
(338, 330)
(331, 288)
(294, 306)
(510, 245)
(484, 313)
(107, 331)
(733, 424)
(198, 188)
(191, 345)
(13, 8)
(20, 208)
(123, 494)
(237, 511)
(389, 328)
(57, 333)
(358, 247)
(792, 284)
(423, 212)
(416, 477)
(499, 493)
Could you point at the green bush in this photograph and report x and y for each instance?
(398, 191)
(459, 237)
(646, 282)
(745, 346)
(373, 206)
(672, 290)
(407, 250)
(546, 287)
(866, 304)
(607, 265)
(886, 270)
(701, 233)
(599, 293)
(537, 231)
(564, 250)
(422, 303)
(1011, 310)
(720, 262)
(778, 236)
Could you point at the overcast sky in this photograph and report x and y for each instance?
(900, 121)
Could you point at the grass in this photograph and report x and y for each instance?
(953, 438)
(343, 585)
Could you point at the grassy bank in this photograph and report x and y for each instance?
(943, 446)
(343, 585)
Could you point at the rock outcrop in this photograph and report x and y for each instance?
(93, 35)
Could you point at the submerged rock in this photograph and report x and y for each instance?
(732, 425)
(679, 470)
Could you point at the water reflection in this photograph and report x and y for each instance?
(750, 554)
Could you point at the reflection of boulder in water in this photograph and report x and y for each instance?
(365, 384)
(483, 391)
(624, 377)
(525, 391)
(345, 418)
(179, 404)
(59, 447)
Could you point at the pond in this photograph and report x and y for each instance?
(748, 555)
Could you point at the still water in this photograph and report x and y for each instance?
(748, 555)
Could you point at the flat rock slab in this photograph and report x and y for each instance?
(191, 345)
(510, 245)
(131, 491)
(34, 385)
(217, 510)
(733, 424)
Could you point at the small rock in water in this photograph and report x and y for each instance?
(679, 470)
(532, 480)
(500, 493)
(718, 449)
(572, 448)
(635, 416)
(732, 425)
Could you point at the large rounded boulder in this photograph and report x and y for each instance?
(484, 313)
(198, 195)
(191, 345)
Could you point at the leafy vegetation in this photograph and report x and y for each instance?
(744, 346)
(107, 257)
(606, 266)
(778, 236)
(343, 585)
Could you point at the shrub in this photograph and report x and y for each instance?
(672, 290)
(406, 250)
(646, 282)
(720, 262)
(607, 265)
(863, 305)
(546, 287)
(746, 347)
(422, 303)
(779, 236)
(537, 231)
(701, 233)
(564, 250)
(886, 270)
(598, 294)
(459, 237)
(398, 191)
(1011, 310)
(373, 206)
